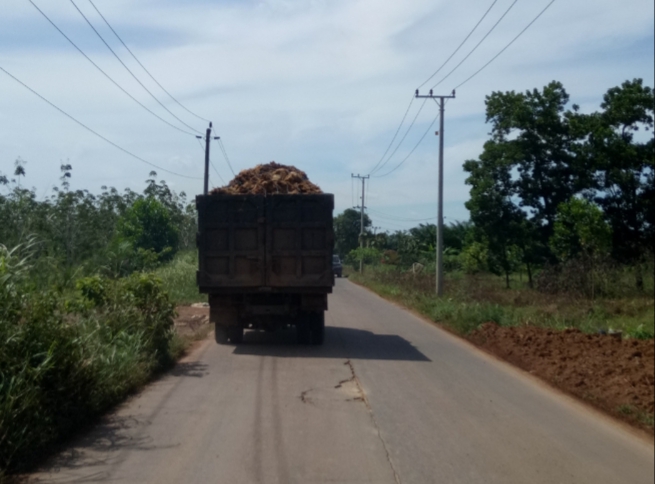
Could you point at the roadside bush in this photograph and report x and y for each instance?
(147, 224)
(66, 359)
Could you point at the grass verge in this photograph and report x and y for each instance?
(470, 301)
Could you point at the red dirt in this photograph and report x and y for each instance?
(613, 374)
(269, 179)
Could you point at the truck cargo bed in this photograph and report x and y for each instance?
(255, 243)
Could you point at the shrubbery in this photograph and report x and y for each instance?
(66, 357)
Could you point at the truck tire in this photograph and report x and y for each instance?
(318, 328)
(304, 331)
(220, 334)
(235, 333)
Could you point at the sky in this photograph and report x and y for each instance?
(319, 84)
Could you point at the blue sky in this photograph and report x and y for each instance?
(318, 84)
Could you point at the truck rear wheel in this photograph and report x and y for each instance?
(304, 331)
(317, 328)
(220, 334)
(235, 333)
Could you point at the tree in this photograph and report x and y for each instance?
(147, 225)
(580, 228)
(539, 143)
(347, 230)
(624, 168)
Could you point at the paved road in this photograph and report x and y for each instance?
(388, 399)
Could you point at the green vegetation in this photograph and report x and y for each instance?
(68, 356)
(83, 320)
(562, 209)
(179, 278)
(471, 300)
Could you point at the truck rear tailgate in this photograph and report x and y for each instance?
(256, 242)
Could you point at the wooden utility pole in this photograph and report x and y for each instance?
(440, 133)
(361, 225)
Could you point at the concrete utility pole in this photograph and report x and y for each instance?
(208, 138)
(361, 226)
(440, 133)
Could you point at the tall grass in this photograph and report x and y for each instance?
(66, 357)
(179, 278)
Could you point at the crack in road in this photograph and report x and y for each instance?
(305, 399)
(363, 399)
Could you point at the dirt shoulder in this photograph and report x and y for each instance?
(191, 325)
(611, 373)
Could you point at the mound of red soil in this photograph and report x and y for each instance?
(613, 374)
(269, 179)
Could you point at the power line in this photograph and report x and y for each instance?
(425, 82)
(402, 139)
(105, 74)
(413, 149)
(505, 48)
(477, 45)
(227, 159)
(395, 135)
(95, 132)
(128, 69)
(144, 67)
(459, 46)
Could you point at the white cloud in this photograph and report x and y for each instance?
(319, 84)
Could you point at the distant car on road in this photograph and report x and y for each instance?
(337, 268)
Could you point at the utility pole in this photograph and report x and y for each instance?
(361, 225)
(208, 138)
(440, 133)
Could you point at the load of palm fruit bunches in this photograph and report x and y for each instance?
(269, 179)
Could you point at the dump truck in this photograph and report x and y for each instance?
(265, 262)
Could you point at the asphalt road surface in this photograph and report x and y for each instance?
(389, 398)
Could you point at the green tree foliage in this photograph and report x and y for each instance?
(74, 232)
(147, 225)
(580, 228)
(622, 153)
(370, 256)
(541, 155)
(347, 227)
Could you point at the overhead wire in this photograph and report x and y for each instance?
(506, 47)
(395, 134)
(402, 139)
(478, 44)
(227, 159)
(459, 46)
(95, 132)
(128, 69)
(413, 149)
(107, 75)
(144, 67)
(375, 168)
